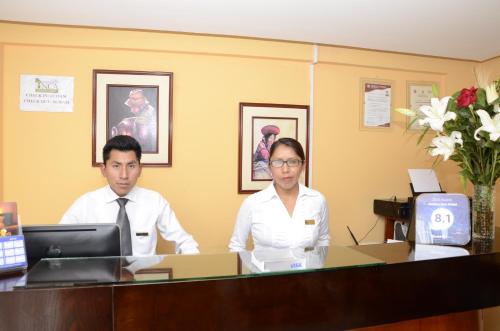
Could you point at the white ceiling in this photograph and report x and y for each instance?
(464, 29)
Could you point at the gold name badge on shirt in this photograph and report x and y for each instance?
(310, 222)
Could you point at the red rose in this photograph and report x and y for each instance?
(467, 97)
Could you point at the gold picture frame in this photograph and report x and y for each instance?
(418, 93)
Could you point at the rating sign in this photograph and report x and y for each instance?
(441, 219)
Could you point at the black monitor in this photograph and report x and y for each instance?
(71, 240)
(78, 271)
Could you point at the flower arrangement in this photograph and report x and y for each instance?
(467, 127)
(467, 131)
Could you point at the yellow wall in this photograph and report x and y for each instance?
(492, 67)
(1, 122)
(47, 156)
(355, 166)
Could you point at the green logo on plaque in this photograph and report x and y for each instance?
(46, 86)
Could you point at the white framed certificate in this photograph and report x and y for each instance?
(376, 104)
(418, 94)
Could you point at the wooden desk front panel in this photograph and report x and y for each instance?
(322, 300)
(87, 308)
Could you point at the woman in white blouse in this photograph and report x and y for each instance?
(286, 214)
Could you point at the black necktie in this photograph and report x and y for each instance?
(123, 222)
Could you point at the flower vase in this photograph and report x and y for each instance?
(483, 212)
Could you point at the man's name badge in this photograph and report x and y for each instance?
(310, 222)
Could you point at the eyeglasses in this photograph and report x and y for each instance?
(290, 163)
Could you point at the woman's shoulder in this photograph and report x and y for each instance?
(259, 197)
(312, 193)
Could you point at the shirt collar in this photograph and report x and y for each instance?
(306, 191)
(111, 196)
(270, 193)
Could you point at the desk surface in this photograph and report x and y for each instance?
(414, 282)
(69, 272)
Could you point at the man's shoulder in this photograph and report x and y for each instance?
(144, 193)
(96, 194)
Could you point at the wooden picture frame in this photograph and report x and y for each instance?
(135, 103)
(376, 99)
(258, 123)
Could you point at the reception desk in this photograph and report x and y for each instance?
(337, 289)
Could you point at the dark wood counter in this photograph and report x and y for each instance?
(354, 297)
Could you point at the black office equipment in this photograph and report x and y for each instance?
(71, 240)
(71, 272)
(399, 209)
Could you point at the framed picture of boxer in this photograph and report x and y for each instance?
(137, 104)
(260, 125)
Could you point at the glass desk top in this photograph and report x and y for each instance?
(66, 272)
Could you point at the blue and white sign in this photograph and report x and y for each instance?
(12, 253)
(442, 219)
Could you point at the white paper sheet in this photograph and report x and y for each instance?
(424, 180)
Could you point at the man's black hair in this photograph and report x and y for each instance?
(121, 143)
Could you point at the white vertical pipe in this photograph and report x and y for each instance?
(311, 111)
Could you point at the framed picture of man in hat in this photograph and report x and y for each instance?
(134, 103)
(261, 125)
(132, 111)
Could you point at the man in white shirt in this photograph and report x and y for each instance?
(138, 211)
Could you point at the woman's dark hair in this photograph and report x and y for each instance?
(290, 142)
(122, 143)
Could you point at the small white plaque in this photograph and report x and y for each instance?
(46, 93)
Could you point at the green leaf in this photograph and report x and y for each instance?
(411, 123)
(437, 160)
(481, 98)
(463, 180)
(463, 113)
(422, 135)
(467, 174)
(435, 90)
(490, 144)
(406, 111)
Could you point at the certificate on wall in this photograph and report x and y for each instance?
(376, 104)
(418, 94)
(46, 93)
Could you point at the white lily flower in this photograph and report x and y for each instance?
(483, 80)
(489, 125)
(436, 113)
(491, 93)
(444, 145)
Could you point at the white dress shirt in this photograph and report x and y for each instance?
(146, 211)
(266, 217)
